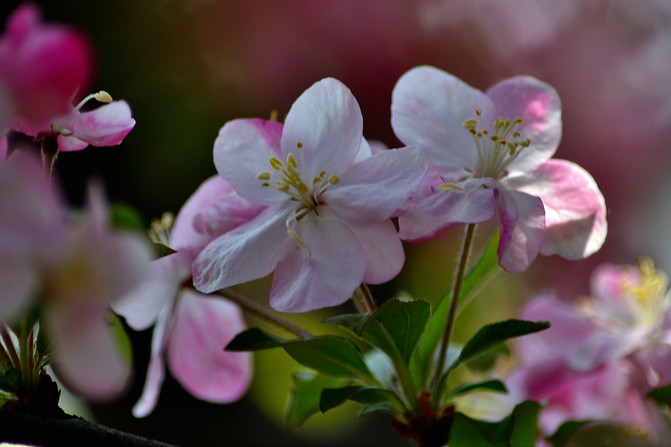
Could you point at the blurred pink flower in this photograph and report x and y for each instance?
(327, 228)
(41, 67)
(191, 329)
(107, 125)
(490, 154)
(76, 269)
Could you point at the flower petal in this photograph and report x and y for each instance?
(107, 125)
(538, 104)
(242, 151)
(382, 250)
(18, 282)
(214, 209)
(203, 327)
(86, 353)
(575, 211)
(156, 368)
(522, 223)
(325, 273)
(437, 210)
(249, 252)
(327, 121)
(428, 109)
(389, 177)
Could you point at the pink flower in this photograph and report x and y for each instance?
(41, 67)
(192, 329)
(326, 229)
(490, 155)
(107, 125)
(75, 269)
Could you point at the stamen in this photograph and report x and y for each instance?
(265, 175)
(333, 179)
(293, 235)
(103, 96)
(275, 163)
(447, 187)
(291, 160)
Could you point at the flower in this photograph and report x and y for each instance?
(191, 330)
(490, 155)
(327, 228)
(41, 67)
(76, 269)
(107, 125)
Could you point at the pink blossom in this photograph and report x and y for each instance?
(75, 269)
(41, 67)
(107, 125)
(191, 329)
(490, 154)
(326, 229)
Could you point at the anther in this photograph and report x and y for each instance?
(333, 179)
(275, 163)
(265, 175)
(299, 144)
(103, 96)
(291, 160)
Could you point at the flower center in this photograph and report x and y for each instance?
(291, 183)
(497, 149)
(648, 292)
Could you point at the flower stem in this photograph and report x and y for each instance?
(368, 297)
(265, 313)
(449, 324)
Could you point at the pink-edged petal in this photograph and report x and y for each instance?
(608, 281)
(327, 122)
(70, 143)
(522, 224)
(249, 252)
(323, 274)
(156, 368)
(107, 125)
(382, 250)
(142, 305)
(87, 355)
(242, 151)
(428, 109)
(374, 188)
(575, 211)
(211, 211)
(18, 282)
(195, 352)
(538, 104)
(431, 214)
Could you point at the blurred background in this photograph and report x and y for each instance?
(188, 66)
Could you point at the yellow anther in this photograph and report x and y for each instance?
(472, 131)
(265, 175)
(478, 112)
(275, 163)
(494, 138)
(333, 179)
(447, 187)
(282, 185)
(517, 120)
(103, 96)
(484, 131)
(274, 115)
(516, 135)
(302, 188)
(266, 184)
(291, 160)
(299, 144)
(470, 123)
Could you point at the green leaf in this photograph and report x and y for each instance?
(124, 216)
(333, 397)
(376, 408)
(517, 429)
(330, 355)
(487, 385)
(305, 397)
(495, 333)
(161, 250)
(483, 269)
(661, 395)
(565, 431)
(353, 322)
(254, 339)
(368, 395)
(487, 359)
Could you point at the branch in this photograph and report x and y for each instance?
(26, 428)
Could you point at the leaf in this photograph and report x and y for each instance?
(353, 322)
(565, 431)
(161, 250)
(518, 429)
(487, 385)
(330, 355)
(661, 395)
(485, 266)
(487, 359)
(495, 333)
(124, 216)
(376, 408)
(305, 397)
(333, 397)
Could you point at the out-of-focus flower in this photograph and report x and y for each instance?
(41, 67)
(600, 356)
(76, 269)
(191, 329)
(107, 125)
(327, 228)
(491, 154)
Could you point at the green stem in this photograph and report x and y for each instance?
(408, 385)
(449, 324)
(368, 297)
(265, 313)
